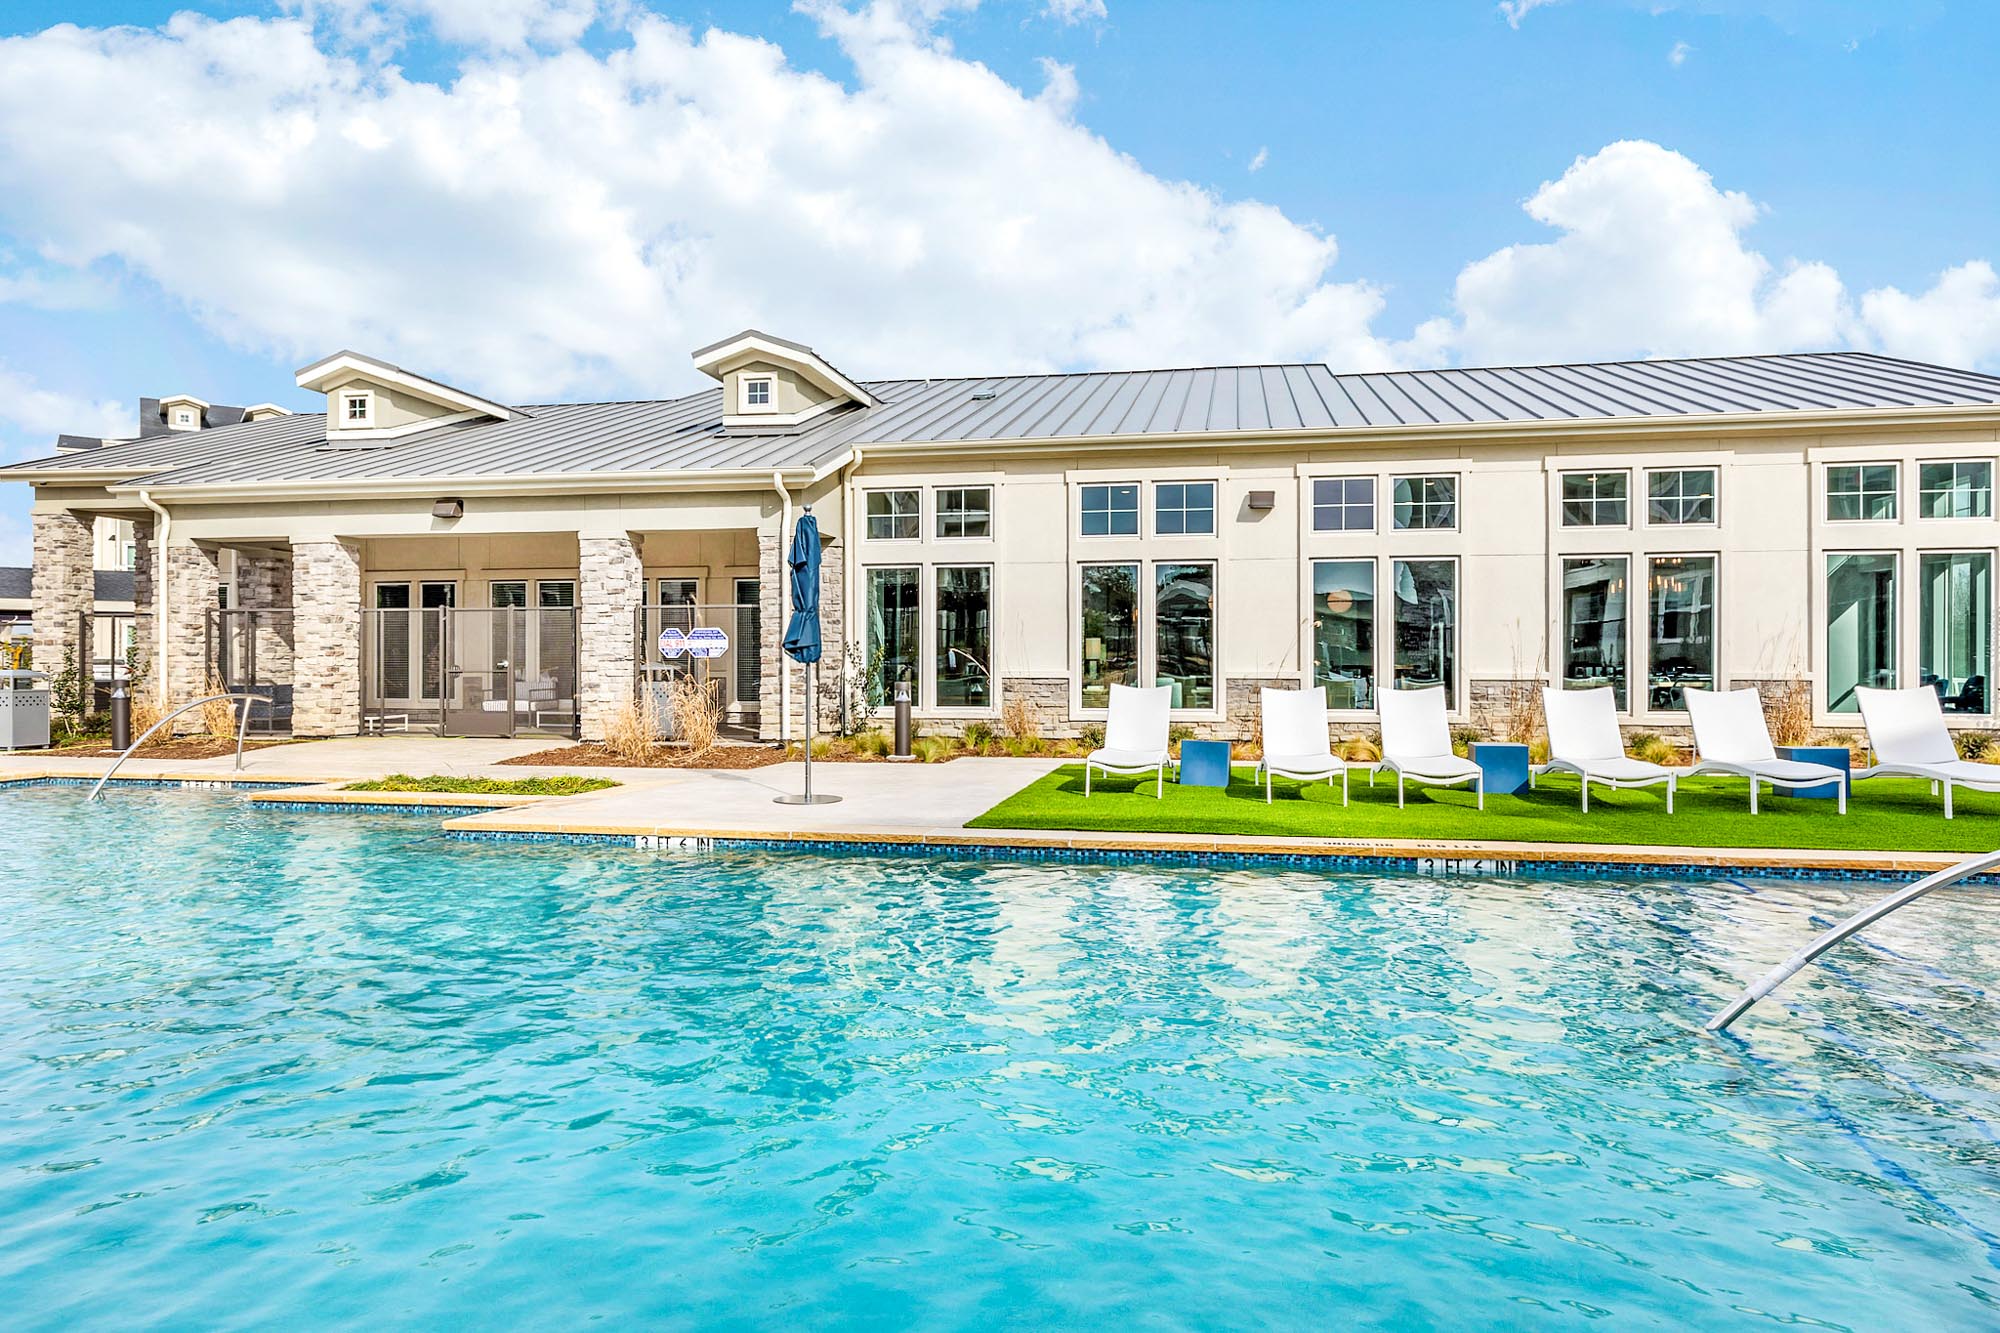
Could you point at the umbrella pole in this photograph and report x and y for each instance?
(809, 733)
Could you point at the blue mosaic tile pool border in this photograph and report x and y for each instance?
(160, 784)
(1335, 862)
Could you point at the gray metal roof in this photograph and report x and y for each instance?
(686, 434)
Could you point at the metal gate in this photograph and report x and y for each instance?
(735, 673)
(251, 650)
(471, 671)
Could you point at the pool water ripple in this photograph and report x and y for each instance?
(262, 1067)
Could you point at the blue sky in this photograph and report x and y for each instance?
(543, 198)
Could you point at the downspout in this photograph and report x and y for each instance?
(164, 529)
(784, 612)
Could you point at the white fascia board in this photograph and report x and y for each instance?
(201, 403)
(267, 409)
(336, 438)
(325, 375)
(806, 362)
(751, 421)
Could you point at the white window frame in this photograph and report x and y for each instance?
(1382, 644)
(1138, 511)
(1911, 593)
(867, 519)
(1954, 463)
(938, 512)
(1152, 515)
(744, 402)
(1639, 600)
(1593, 500)
(1860, 465)
(928, 603)
(1374, 504)
(348, 398)
(1146, 593)
(1714, 518)
(1457, 499)
(1637, 650)
(1454, 705)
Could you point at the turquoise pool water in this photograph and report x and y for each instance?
(323, 1070)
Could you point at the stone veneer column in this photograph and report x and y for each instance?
(326, 636)
(193, 575)
(771, 576)
(64, 589)
(145, 644)
(264, 584)
(610, 589)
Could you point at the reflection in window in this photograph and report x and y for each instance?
(1955, 490)
(1594, 625)
(1343, 611)
(892, 633)
(1594, 499)
(964, 636)
(965, 511)
(1686, 495)
(1860, 627)
(1184, 633)
(1184, 508)
(1955, 628)
(1680, 629)
(1426, 625)
(1110, 631)
(892, 516)
(1861, 491)
(1344, 504)
(1110, 511)
(1426, 502)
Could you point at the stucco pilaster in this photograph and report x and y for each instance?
(326, 637)
(611, 586)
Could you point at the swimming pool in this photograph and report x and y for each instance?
(326, 1069)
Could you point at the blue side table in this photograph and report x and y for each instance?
(1204, 764)
(1833, 756)
(1505, 765)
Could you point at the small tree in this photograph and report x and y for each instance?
(66, 693)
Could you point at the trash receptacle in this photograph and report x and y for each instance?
(24, 710)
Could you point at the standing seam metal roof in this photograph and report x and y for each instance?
(686, 434)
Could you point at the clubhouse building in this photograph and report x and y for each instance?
(421, 557)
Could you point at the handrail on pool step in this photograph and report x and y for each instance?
(242, 725)
(1777, 976)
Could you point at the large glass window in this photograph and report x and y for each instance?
(1685, 495)
(1343, 611)
(1110, 511)
(1955, 490)
(1680, 629)
(1184, 508)
(893, 627)
(1861, 491)
(965, 511)
(1860, 627)
(1426, 502)
(1426, 625)
(1344, 504)
(1110, 604)
(964, 636)
(749, 644)
(1594, 624)
(1594, 499)
(1184, 633)
(1955, 628)
(892, 516)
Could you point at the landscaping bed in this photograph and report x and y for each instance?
(1883, 814)
(181, 747)
(660, 756)
(566, 784)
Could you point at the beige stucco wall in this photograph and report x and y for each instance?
(393, 407)
(790, 391)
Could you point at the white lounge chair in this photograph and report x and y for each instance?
(1584, 740)
(1907, 733)
(1135, 736)
(1296, 744)
(1730, 736)
(1416, 743)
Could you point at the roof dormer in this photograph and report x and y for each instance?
(265, 411)
(183, 411)
(771, 384)
(369, 400)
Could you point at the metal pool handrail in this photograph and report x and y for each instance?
(1777, 976)
(242, 725)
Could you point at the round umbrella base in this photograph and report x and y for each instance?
(818, 798)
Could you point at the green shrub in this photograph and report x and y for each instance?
(1463, 737)
(978, 735)
(1654, 749)
(1091, 737)
(560, 784)
(1972, 744)
(874, 742)
(930, 749)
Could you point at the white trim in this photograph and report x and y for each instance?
(711, 360)
(334, 371)
(762, 410)
(337, 437)
(344, 418)
(265, 411)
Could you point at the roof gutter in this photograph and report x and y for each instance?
(160, 566)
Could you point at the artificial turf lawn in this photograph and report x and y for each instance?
(1883, 814)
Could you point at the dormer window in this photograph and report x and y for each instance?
(357, 409)
(756, 393)
(183, 418)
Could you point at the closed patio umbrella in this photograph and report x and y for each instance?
(802, 642)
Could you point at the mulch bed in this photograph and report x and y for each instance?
(186, 747)
(663, 756)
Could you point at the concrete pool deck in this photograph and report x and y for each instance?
(913, 806)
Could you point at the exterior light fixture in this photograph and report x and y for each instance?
(1263, 500)
(448, 509)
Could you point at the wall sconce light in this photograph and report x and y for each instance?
(448, 509)
(1260, 500)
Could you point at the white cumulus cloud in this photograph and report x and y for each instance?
(1956, 322)
(1516, 10)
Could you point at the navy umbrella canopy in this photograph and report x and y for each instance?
(802, 631)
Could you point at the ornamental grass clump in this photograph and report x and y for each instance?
(697, 712)
(218, 716)
(633, 727)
